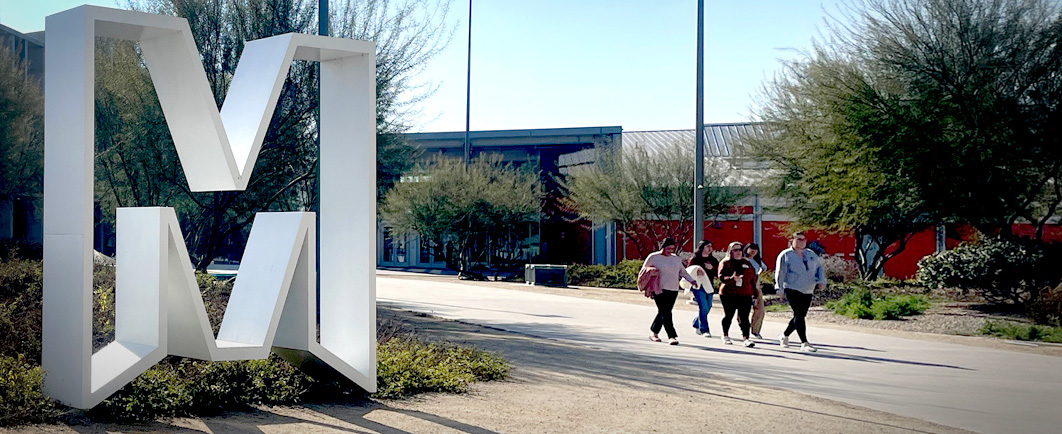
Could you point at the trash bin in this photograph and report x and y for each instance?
(546, 274)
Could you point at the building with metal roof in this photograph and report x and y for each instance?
(725, 146)
(559, 235)
(720, 140)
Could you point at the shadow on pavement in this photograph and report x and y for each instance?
(356, 416)
(541, 360)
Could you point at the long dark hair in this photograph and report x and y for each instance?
(757, 259)
(700, 248)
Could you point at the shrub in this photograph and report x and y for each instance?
(157, 393)
(409, 366)
(622, 275)
(861, 303)
(1047, 308)
(895, 307)
(21, 399)
(855, 304)
(1004, 272)
(1022, 332)
(585, 275)
(406, 366)
(20, 309)
(218, 386)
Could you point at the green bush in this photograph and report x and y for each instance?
(855, 304)
(20, 309)
(1022, 332)
(896, 307)
(1004, 272)
(622, 275)
(408, 366)
(861, 303)
(179, 387)
(585, 275)
(21, 399)
(160, 392)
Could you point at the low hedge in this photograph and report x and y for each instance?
(622, 275)
(408, 366)
(863, 303)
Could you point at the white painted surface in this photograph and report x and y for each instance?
(159, 309)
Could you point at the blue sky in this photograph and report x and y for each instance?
(565, 63)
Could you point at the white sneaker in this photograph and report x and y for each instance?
(757, 336)
(749, 343)
(806, 347)
(726, 340)
(783, 341)
(707, 335)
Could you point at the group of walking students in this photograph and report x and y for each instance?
(798, 272)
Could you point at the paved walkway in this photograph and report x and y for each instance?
(978, 389)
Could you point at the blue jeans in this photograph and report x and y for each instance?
(704, 303)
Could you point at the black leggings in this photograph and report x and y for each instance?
(665, 301)
(800, 303)
(740, 303)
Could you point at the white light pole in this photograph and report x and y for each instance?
(698, 182)
(468, 89)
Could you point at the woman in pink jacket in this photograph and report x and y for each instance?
(671, 269)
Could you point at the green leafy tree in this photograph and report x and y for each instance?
(839, 139)
(138, 159)
(918, 113)
(467, 213)
(649, 194)
(987, 73)
(21, 130)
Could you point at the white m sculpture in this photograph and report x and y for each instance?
(159, 310)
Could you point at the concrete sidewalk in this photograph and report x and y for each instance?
(979, 389)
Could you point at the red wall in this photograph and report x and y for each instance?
(904, 265)
(774, 236)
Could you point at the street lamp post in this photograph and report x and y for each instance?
(698, 182)
(468, 88)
